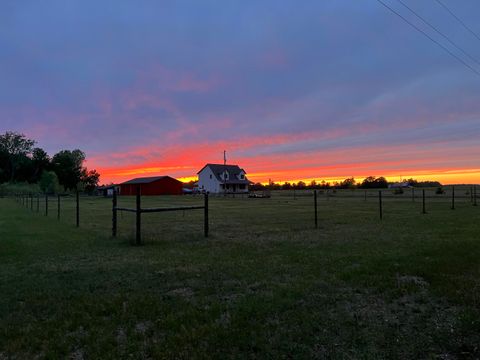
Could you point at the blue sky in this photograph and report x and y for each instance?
(291, 89)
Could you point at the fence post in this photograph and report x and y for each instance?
(58, 206)
(474, 195)
(413, 194)
(46, 204)
(77, 209)
(424, 211)
(471, 194)
(315, 205)
(114, 213)
(138, 214)
(31, 201)
(453, 197)
(205, 215)
(380, 204)
(38, 203)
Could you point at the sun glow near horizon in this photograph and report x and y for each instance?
(188, 174)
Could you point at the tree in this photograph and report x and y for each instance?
(17, 147)
(49, 182)
(68, 165)
(90, 180)
(348, 183)
(324, 184)
(372, 182)
(381, 182)
(301, 185)
(4, 165)
(257, 186)
(286, 186)
(40, 162)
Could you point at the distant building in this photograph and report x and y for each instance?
(107, 190)
(154, 185)
(219, 178)
(399, 185)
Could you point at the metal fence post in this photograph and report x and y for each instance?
(78, 210)
(453, 198)
(205, 215)
(424, 211)
(474, 195)
(138, 214)
(58, 206)
(114, 213)
(38, 203)
(46, 204)
(413, 194)
(315, 205)
(380, 204)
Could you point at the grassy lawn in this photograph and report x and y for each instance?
(265, 284)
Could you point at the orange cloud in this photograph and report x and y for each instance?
(393, 161)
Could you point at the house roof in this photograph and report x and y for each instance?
(233, 171)
(145, 180)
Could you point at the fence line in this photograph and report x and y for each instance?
(27, 200)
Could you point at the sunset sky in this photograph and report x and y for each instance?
(292, 90)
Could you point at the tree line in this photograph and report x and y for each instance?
(22, 162)
(370, 182)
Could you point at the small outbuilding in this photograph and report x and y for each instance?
(107, 190)
(153, 185)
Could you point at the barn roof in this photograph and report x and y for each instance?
(145, 180)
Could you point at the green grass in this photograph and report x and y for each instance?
(265, 284)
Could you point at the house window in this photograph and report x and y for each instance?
(241, 176)
(241, 186)
(210, 176)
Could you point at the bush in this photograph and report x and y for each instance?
(17, 188)
(439, 191)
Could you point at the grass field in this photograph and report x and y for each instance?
(265, 284)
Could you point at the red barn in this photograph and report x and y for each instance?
(154, 185)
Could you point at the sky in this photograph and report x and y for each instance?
(292, 90)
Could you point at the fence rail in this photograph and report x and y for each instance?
(300, 203)
(139, 211)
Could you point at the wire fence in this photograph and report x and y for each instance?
(284, 211)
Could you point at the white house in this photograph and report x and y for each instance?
(219, 178)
